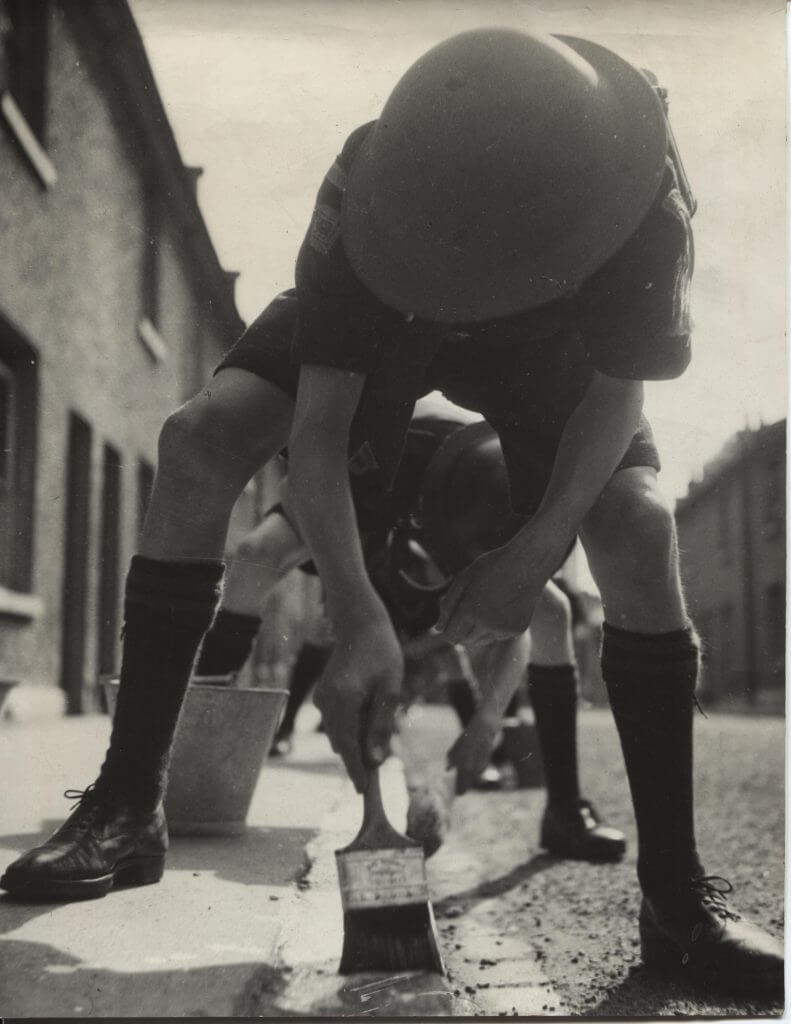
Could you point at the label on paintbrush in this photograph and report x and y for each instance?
(382, 878)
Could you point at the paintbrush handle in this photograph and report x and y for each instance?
(376, 830)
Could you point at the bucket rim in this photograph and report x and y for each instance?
(115, 680)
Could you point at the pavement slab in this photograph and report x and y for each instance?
(195, 944)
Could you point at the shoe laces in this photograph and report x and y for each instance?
(86, 806)
(587, 813)
(713, 892)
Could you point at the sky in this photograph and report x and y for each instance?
(262, 94)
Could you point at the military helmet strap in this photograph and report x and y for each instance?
(672, 146)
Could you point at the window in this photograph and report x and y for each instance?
(151, 258)
(776, 620)
(6, 414)
(18, 408)
(723, 494)
(25, 31)
(774, 496)
(726, 634)
(150, 299)
(145, 485)
(23, 79)
(76, 547)
(109, 561)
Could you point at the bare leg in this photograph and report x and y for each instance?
(649, 663)
(208, 450)
(267, 554)
(550, 629)
(630, 540)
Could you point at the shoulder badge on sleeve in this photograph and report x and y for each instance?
(325, 227)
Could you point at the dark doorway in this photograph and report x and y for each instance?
(109, 559)
(75, 570)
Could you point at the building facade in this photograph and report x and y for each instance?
(113, 311)
(732, 535)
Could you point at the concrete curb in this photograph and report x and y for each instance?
(311, 954)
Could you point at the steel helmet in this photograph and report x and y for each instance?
(505, 168)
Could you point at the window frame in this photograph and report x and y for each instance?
(19, 362)
(24, 80)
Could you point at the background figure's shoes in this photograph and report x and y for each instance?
(281, 747)
(691, 927)
(102, 843)
(575, 831)
(490, 778)
(428, 814)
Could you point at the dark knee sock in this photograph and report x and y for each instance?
(553, 695)
(169, 606)
(228, 644)
(651, 684)
(463, 700)
(308, 666)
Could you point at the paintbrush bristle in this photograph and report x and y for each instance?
(391, 939)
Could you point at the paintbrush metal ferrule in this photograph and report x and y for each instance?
(371, 879)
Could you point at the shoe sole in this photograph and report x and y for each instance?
(595, 855)
(130, 872)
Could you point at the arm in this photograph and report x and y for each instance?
(495, 597)
(499, 669)
(318, 487)
(359, 690)
(594, 440)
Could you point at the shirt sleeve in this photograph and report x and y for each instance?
(634, 311)
(339, 322)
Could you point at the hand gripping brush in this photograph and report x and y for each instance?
(388, 921)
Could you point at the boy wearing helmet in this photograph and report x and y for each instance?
(449, 502)
(512, 233)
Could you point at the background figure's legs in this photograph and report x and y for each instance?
(262, 559)
(463, 698)
(310, 662)
(571, 826)
(552, 688)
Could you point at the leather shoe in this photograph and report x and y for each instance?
(692, 927)
(491, 778)
(102, 843)
(576, 832)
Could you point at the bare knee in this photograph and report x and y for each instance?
(552, 615)
(200, 441)
(273, 544)
(550, 629)
(632, 523)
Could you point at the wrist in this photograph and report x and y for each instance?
(356, 613)
(490, 716)
(545, 539)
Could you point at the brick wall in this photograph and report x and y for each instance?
(732, 540)
(73, 290)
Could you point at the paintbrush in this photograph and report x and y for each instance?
(388, 920)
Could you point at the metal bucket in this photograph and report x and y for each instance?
(223, 737)
(6, 686)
